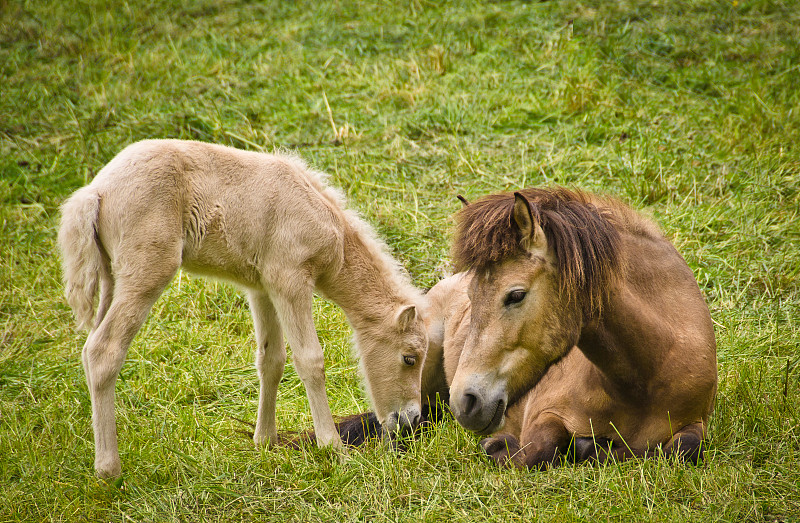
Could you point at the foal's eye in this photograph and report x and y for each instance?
(409, 360)
(514, 297)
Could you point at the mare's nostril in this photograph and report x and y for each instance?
(469, 404)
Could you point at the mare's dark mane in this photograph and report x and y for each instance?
(582, 235)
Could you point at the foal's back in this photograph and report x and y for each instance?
(227, 213)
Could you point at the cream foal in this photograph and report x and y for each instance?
(266, 223)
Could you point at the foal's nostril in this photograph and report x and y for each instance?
(410, 420)
(469, 404)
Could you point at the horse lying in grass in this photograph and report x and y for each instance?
(266, 223)
(576, 329)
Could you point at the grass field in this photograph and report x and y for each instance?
(689, 110)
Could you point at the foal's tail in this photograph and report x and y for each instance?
(81, 256)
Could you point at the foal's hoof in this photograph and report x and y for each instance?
(399, 444)
(340, 451)
(264, 442)
(501, 450)
(112, 482)
(108, 470)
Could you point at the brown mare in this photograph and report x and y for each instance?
(577, 329)
(585, 322)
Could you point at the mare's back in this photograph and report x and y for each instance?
(662, 292)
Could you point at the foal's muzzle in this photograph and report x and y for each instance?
(402, 423)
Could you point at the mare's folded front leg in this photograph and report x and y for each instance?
(270, 362)
(686, 444)
(542, 442)
(503, 450)
(294, 307)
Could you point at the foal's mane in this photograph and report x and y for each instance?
(582, 230)
(379, 253)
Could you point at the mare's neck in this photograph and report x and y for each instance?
(613, 341)
(627, 339)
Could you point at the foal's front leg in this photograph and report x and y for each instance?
(294, 307)
(270, 362)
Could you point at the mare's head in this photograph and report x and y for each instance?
(393, 351)
(542, 261)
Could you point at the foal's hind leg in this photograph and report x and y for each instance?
(105, 349)
(270, 362)
(106, 295)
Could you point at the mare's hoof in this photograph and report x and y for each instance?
(583, 449)
(689, 449)
(501, 450)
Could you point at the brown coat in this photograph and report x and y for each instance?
(576, 319)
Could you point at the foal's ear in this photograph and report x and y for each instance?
(406, 317)
(533, 238)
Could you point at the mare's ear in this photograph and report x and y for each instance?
(406, 317)
(462, 200)
(533, 238)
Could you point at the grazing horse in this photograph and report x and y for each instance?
(269, 225)
(578, 330)
(584, 324)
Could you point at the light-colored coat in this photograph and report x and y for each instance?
(266, 223)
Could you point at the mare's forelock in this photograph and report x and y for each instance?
(582, 235)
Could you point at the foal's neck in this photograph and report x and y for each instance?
(367, 286)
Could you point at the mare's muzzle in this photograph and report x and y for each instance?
(480, 410)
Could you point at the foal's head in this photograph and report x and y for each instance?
(541, 261)
(392, 355)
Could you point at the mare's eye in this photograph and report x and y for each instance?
(409, 360)
(514, 297)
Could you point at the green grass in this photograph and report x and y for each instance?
(689, 110)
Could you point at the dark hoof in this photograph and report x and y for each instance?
(688, 448)
(501, 450)
(583, 449)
